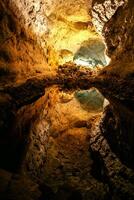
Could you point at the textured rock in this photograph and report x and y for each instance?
(109, 168)
(20, 54)
(116, 80)
(117, 30)
(118, 130)
(49, 135)
(103, 10)
(69, 25)
(120, 46)
(57, 145)
(58, 138)
(35, 34)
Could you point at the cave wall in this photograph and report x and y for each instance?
(21, 56)
(116, 80)
(103, 10)
(116, 22)
(38, 35)
(110, 143)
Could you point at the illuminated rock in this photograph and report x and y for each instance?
(91, 53)
(54, 138)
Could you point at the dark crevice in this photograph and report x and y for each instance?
(98, 170)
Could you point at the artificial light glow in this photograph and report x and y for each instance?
(65, 59)
(82, 63)
(107, 59)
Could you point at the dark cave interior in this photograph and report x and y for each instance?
(66, 100)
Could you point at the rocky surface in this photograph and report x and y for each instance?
(103, 10)
(116, 80)
(118, 177)
(59, 139)
(71, 152)
(37, 35)
(20, 54)
(116, 31)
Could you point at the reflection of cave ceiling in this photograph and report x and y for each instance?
(91, 100)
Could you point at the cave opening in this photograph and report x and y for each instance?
(66, 100)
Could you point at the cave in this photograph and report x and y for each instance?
(66, 100)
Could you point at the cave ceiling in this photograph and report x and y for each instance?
(60, 26)
(40, 35)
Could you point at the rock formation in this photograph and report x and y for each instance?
(60, 138)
